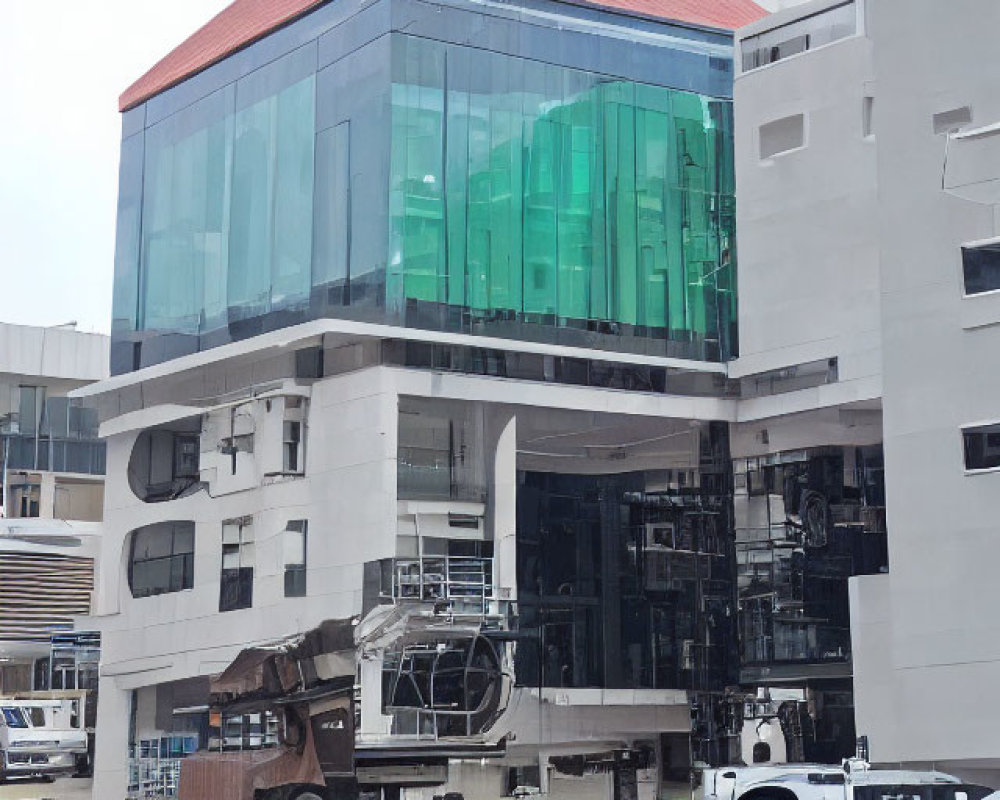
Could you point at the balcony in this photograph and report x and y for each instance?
(64, 440)
(421, 479)
(464, 583)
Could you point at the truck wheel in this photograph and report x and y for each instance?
(307, 794)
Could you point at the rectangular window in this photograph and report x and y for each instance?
(982, 446)
(806, 33)
(29, 407)
(425, 455)
(981, 268)
(236, 589)
(294, 549)
(25, 498)
(782, 135)
(162, 558)
(332, 212)
(186, 456)
(291, 441)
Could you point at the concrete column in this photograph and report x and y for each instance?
(373, 721)
(543, 771)
(47, 498)
(111, 745)
(503, 503)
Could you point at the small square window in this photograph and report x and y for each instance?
(981, 268)
(982, 446)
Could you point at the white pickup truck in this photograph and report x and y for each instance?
(40, 737)
(854, 780)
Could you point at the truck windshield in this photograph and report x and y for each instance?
(13, 717)
(36, 716)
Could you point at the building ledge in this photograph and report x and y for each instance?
(339, 331)
(612, 697)
(795, 673)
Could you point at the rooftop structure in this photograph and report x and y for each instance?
(245, 21)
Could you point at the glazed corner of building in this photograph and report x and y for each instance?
(540, 171)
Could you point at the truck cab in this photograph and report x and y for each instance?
(854, 780)
(40, 738)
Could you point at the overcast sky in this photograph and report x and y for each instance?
(62, 66)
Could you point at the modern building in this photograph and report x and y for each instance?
(808, 462)
(421, 316)
(52, 468)
(867, 162)
(431, 311)
(426, 318)
(926, 656)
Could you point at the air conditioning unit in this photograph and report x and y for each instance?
(659, 536)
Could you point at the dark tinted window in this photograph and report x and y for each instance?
(981, 268)
(236, 582)
(14, 718)
(982, 446)
(162, 558)
(294, 546)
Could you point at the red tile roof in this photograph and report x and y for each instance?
(237, 25)
(245, 21)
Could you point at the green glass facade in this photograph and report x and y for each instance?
(522, 190)
(227, 213)
(420, 182)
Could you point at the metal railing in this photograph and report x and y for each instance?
(465, 582)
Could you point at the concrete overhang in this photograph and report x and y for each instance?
(335, 332)
(519, 393)
(861, 393)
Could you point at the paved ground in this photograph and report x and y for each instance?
(62, 789)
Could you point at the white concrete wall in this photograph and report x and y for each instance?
(944, 646)
(53, 352)
(875, 693)
(808, 250)
(348, 497)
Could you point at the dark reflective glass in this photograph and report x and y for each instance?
(236, 589)
(982, 447)
(981, 268)
(416, 181)
(161, 558)
(619, 583)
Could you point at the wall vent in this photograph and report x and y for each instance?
(950, 121)
(782, 135)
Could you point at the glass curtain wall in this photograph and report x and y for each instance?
(431, 185)
(625, 581)
(227, 211)
(528, 192)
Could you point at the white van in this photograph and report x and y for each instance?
(40, 737)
